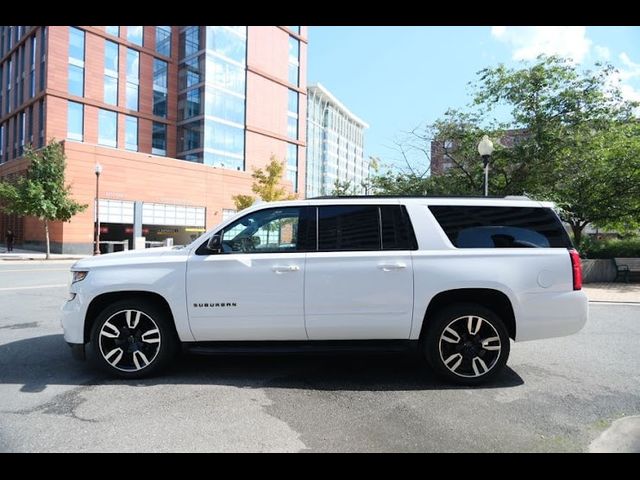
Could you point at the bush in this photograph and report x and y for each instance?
(629, 247)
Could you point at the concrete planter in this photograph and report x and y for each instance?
(598, 270)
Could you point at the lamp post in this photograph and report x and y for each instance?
(485, 149)
(98, 171)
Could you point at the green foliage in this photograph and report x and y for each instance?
(629, 247)
(341, 189)
(41, 192)
(243, 201)
(573, 140)
(266, 183)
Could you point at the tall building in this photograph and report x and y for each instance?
(335, 143)
(177, 116)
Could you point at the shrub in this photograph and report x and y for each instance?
(629, 247)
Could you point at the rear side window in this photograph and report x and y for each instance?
(348, 227)
(397, 233)
(501, 227)
(364, 227)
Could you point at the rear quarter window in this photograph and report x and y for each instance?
(501, 227)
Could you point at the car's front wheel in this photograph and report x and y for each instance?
(467, 344)
(132, 339)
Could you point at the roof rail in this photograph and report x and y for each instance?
(331, 197)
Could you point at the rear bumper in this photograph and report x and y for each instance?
(547, 315)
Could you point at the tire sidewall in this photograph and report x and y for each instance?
(168, 344)
(431, 343)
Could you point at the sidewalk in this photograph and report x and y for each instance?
(19, 254)
(613, 292)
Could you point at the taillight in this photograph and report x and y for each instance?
(576, 267)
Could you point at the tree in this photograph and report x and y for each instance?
(266, 183)
(569, 136)
(340, 189)
(42, 192)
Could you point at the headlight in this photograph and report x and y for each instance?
(79, 276)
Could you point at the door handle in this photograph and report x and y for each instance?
(285, 268)
(387, 267)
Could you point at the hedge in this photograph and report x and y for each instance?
(629, 247)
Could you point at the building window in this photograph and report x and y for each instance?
(132, 96)
(292, 115)
(191, 136)
(190, 103)
(29, 138)
(227, 42)
(43, 56)
(1, 137)
(294, 61)
(163, 41)
(107, 128)
(292, 127)
(76, 62)
(32, 69)
(225, 106)
(293, 102)
(41, 123)
(75, 121)
(224, 138)
(110, 90)
(295, 29)
(76, 80)
(131, 133)
(115, 30)
(134, 34)
(191, 72)
(159, 139)
(190, 43)
(160, 74)
(21, 132)
(292, 165)
(133, 78)
(76, 45)
(227, 213)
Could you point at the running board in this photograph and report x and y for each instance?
(298, 347)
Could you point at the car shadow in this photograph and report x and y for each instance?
(38, 362)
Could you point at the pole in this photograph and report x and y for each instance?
(97, 234)
(485, 159)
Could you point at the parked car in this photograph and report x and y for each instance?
(454, 278)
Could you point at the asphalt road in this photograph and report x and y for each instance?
(579, 393)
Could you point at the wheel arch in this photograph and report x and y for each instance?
(492, 299)
(100, 302)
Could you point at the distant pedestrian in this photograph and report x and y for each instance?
(10, 239)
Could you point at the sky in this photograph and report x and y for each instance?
(396, 78)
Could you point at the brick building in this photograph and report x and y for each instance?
(177, 116)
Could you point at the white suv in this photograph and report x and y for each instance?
(455, 278)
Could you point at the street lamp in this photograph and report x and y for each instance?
(485, 149)
(98, 171)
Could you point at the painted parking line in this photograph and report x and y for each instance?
(37, 270)
(603, 302)
(35, 286)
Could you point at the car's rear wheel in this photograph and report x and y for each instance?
(467, 344)
(132, 339)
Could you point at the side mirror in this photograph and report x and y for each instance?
(215, 244)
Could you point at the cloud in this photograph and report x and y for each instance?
(529, 42)
(603, 53)
(626, 75)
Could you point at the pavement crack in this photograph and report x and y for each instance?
(64, 404)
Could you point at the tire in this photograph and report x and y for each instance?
(466, 344)
(132, 338)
